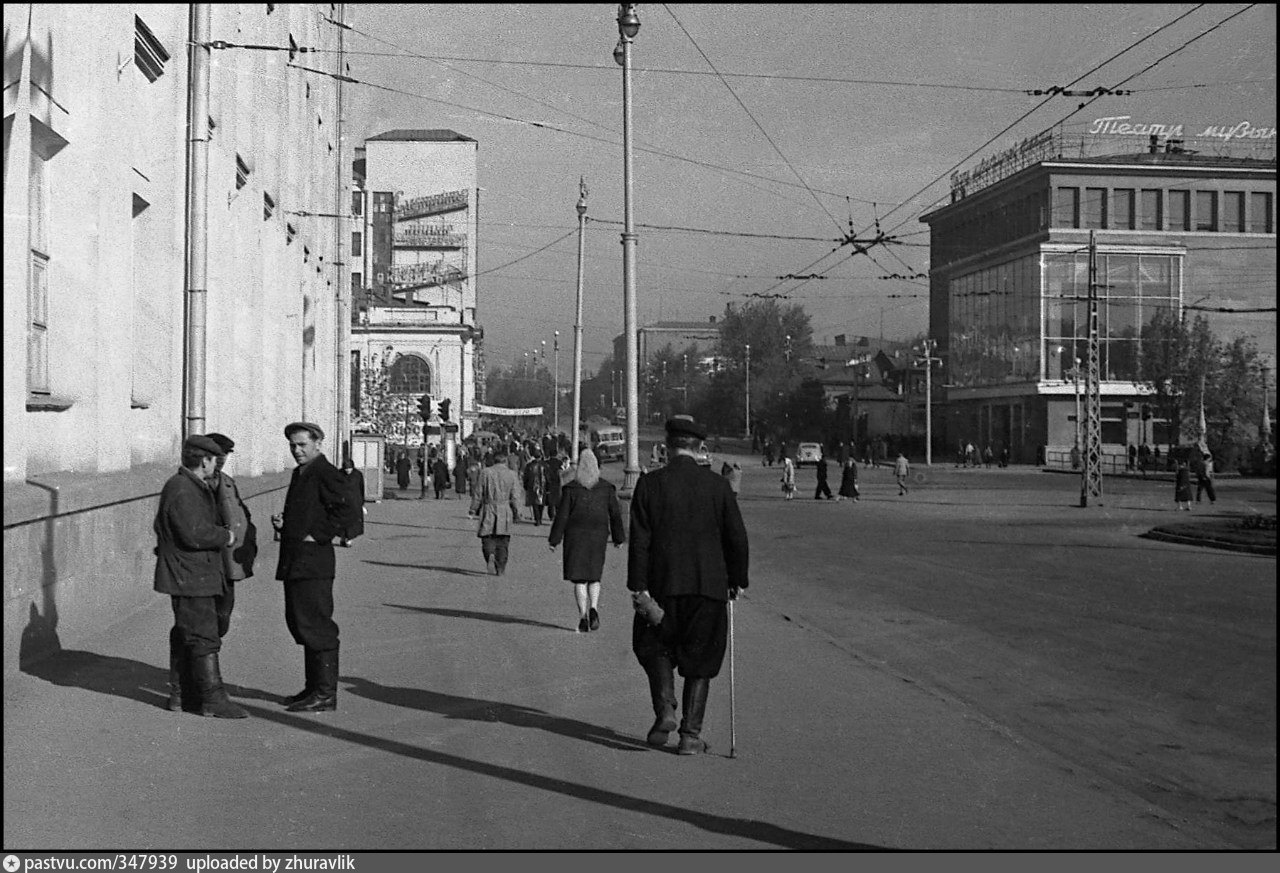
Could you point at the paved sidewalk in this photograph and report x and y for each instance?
(473, 716)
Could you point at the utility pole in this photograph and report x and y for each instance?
(747, 398)
(928, 360)
(555, 400)
(577, 324)
(1091, 475)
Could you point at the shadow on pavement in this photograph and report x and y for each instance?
(481, 616)
(751, 829)
(477, 709)
(457, 571)
(107, 674)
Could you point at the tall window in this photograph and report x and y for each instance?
(1260, 212)
(410, 375)
(1151, 217)
(357, 249)
(1095, 207)
(1232, 211)
(1179, 210)
(38, 289)
(1066, 207)
(1206, 210)
(1122, 208)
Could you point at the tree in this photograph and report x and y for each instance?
(380, 410)
(777, 366)
(1233, 401)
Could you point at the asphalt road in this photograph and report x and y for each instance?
(1149, 664)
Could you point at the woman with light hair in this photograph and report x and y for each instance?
(587, 517)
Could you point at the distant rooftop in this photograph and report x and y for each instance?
(442, 134)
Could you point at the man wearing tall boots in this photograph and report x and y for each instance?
(687, 558)
(317, 509)
(190, 539)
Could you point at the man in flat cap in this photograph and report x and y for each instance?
(317, 508)
(238, 559)
(688, 554)
(190, 540)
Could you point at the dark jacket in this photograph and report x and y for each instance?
(687, 535)
(317, 504)
(190, 538)
(238, 559)
(552, 480)
(821, 469)
(585, 520)
(849, 479)
(440, 474)
(535, 484)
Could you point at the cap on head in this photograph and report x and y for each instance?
(201, 443)
(227, 443)
(684, 424)
(314, 429)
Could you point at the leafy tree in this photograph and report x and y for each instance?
(1233, 401)
(778, 365)
(380, 410)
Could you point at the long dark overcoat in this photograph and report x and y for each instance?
(355, 491)
(586, 518)
(318, 503)
(189, 539)
(849, 479)
(687, 535)
(552, 480)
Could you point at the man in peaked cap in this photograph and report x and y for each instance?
(688, 553)
(190, 539)
(317, 509)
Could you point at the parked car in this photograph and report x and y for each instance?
(808, 453)
(703, 457)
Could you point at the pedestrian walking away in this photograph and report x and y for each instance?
(588, 516)
(901, 469)
(402, 471)
(317, 509)
(355, 494)
(191, 539)
(440, 475)
(1182, 486)
(688, 556)
(849, 480)
(497, 503)
(534, 479)
(1204, 477)
(553, 467)
(788, 478)
(823, 489)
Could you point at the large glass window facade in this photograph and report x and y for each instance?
(1132, 289)
(995, 316)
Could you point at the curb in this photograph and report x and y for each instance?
(1210, 542)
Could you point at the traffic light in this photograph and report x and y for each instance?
(444, 409)
(424, 406)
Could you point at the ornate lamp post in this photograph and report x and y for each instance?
(746, 401)
(555, 399)
(928, 359)
(628, 27)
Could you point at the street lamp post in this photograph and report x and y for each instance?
(747, 394)
(555, 399)
(928, 360)
(577, 323)
(1075, 375)
(628, 27)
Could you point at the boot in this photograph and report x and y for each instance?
(695, 704)
(324, 696)
(182, 694)
(662, 691)
(214, 702)
(309, 669)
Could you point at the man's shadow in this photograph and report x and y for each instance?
(458, 571)
(481, 616)
(122, 677)
(477, 709)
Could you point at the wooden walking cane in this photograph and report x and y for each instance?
(732, 735)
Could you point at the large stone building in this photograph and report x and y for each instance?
(414, 237)
(172, 265)
(1176, 228)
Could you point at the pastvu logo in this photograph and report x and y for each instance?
(11, 863)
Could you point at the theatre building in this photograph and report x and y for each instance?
(1176, 228)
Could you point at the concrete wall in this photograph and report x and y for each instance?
(103, 147)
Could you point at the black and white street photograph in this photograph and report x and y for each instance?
(587, 428)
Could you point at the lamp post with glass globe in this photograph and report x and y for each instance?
(628, 27)
(577, 323)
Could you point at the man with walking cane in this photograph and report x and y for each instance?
(687, 559)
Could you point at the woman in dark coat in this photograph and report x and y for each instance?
(534, 479)
(552, 479)
(849, 480)
(402, 471)
(440, 475)
(355, 481)
(587, 517)
(1182, 486)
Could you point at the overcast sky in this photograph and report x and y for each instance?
(925, 85)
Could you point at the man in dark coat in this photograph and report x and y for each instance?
(355, 486)
(317, 508)
(190, 540)
(823, 488)
(688, 553)
(402, 471)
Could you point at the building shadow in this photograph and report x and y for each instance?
(120, 677)
(457, 571)
(476, 709)
(749, 829)
(498, 618)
